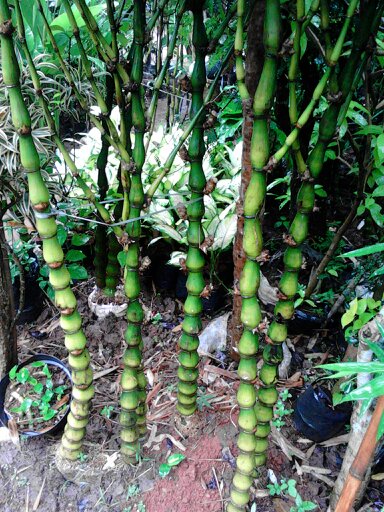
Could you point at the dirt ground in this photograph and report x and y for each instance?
(30, 480)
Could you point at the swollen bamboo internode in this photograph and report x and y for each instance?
(189, 341)
(254, 421)
(133, 383)
(70, 320)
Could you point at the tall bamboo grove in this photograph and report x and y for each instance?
(247, 443)
(189, 340)
(59, 277)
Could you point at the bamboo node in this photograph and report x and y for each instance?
(335, 97)
(25, 130)
(210, 186)
(67, 311)
(6, 28)
(54, 265)
(271, 164)
(307, 176)
(289, 240)
(41, 207)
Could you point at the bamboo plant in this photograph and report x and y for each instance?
(53, 255)
(133, 380)
(189, 340)
(251, 447)
(298, 231)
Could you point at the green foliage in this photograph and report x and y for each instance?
(172, 461)
(281, 410)
(288, 489)
(40, 396)
(371, 389)
(359, 313)
(106, 411)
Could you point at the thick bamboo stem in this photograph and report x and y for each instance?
(253, 434)
(59, 277)
(189, 341)
(132, 401)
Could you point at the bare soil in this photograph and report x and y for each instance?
(30, 480)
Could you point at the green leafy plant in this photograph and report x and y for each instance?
(107, 410)
(368, 391)
(172, 461)
(288, 489)
(40, 396)
(203, 399)
(359, 312)
(281, 410)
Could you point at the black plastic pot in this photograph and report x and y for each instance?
(304, 322)
(34, 296)
(316, 418)
(5, 416)
(164, 276)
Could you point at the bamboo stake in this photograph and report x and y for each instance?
(362, 461)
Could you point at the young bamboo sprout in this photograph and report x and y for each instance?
(189, 341)
(248, 443)
(59, 277)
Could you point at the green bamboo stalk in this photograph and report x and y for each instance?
(306, 114)
(239, 45)
(70, 320)
(251, 446)
(101, 253)
(186, 133)
(215, 37)
(114, 142)
(288, 286)
(151, 112)
(189, 341)
(132, 400)
(313, 8)
(292, 80)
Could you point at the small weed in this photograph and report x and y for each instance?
(173, 460)
(156, 318)
(288, 489)
(141, 507)
(133, 490)
(203, 399)
(107, 411)
(280, 409)
(82, 457)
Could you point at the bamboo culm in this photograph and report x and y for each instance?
(288, 285)
(252, 437)
(189, 340)
(101, 253)
(132, 400)
(70, 320)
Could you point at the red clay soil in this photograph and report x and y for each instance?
(186, 488)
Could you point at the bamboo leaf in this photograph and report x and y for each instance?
(371, 389)
(364, 251)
